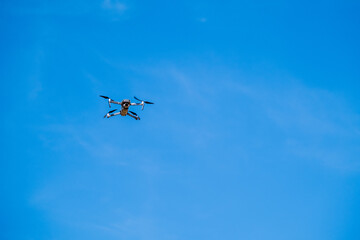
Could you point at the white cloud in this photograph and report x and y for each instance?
(202, 19)
(35, 79)
(316, 124)
(114, 5)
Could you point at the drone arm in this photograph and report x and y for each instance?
(139, 104)
(115, 102)
(110, 100)
(133, 116)
(113, 114)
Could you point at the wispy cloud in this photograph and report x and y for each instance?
(140, 226)
(36, 84)
(36, 88)
(114, 5)
(203, 19)
(316, 123)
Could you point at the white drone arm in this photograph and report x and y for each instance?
(133, 115)
(110, 100)
(139, 104)
(135, 104)
(115, 102)
(114, 114)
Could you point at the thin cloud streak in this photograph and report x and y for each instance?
(114, 5)
(310, 119)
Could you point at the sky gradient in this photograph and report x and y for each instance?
(254, 134)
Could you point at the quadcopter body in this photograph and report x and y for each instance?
(125, 104)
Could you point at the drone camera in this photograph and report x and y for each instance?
(125, 103)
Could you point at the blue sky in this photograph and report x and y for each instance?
(254, 135)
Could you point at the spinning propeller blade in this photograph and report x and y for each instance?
(133, 113)
(110, 112)
(109, 99)
(137, 99)
(142, 102)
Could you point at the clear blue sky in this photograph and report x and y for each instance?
(255, 133)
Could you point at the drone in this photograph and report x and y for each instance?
(125, 104)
